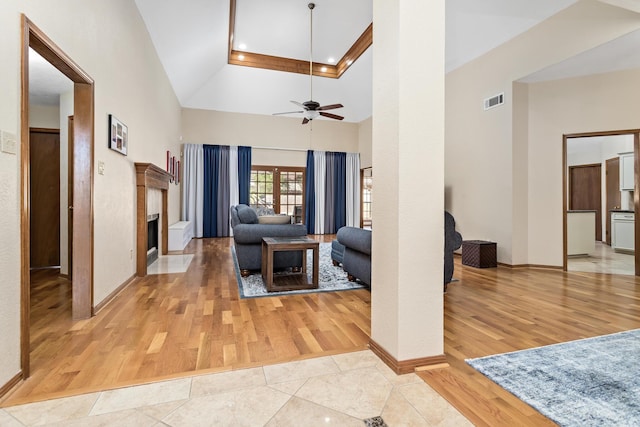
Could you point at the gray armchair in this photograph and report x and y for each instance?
(452, 241)
(353, 250)
(247, 238)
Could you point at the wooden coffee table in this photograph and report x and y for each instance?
(289, 281)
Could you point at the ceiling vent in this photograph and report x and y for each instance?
(494, 101)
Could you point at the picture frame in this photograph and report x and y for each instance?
(118, 135)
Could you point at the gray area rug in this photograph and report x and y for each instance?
(330, 278)
(590, 382)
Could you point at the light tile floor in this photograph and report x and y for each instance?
(603, 260)
(167, 264)
(340, 390)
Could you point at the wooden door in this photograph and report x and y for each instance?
(44, 163)
(585, 191)
(612, 171)
(70, 197)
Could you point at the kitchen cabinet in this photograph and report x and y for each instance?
(623, 231)
(581, 232)
(626, 172)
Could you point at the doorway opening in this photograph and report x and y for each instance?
(81, 184)
(596, 190)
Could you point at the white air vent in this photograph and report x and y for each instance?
(494, 101)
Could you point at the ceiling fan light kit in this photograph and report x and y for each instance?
(312, 109)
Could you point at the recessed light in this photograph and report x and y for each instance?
(241, 57)
(323, 69)
(242, 46)
(331, 60)
(349, 62)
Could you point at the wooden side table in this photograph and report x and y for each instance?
(289, 281)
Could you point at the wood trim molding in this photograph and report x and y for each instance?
(8, 387)
(278, 63)
(102, 304)
(44, 130)
(32, 36)
(150, 176)
(404, 366)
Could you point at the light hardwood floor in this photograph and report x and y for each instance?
(171, 325)
(498, 310)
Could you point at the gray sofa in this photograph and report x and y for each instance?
(353, 250)
(247, 238)
(356, 258)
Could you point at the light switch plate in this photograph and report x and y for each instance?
(8, 142)
(101, 168)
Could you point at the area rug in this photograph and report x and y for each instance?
(330, 278)
(589, 382)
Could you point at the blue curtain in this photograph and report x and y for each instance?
(222, 216)
(244, 174)
(310, 195)
(340, 190)
(329, 194)
(211, 166)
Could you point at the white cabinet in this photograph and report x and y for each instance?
(581, 232)
(623, 231)
(180, 234)
(626, 172)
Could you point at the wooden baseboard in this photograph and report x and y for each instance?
(113, 294)
(9, 386)
(539, 266)
(504, 264)
(405, 366)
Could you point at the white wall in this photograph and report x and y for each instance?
(595, 103)
(285, 133)
(365, 129)
(109, 41)
(485, 150)
(44, 116)
(66, 110)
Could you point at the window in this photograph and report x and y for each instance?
(366, 181)
(280, 189)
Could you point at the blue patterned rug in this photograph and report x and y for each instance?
(590, 382)
(330, 278)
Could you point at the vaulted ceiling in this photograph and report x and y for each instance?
(193, 40)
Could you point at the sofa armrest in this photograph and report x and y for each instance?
(355, 238)
(253, 233)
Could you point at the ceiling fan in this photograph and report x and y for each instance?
(312, 109)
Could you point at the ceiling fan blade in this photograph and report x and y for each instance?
(331, 116)
(305, 121)
(329, 107)
(288, 112)
(299, 104)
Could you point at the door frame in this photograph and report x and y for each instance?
(83, 92)
(636, 184)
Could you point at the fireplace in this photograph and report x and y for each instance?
(152, 238)
(150, 177)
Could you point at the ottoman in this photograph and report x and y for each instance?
(337, 252)
(479, 253)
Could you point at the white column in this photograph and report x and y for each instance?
(408, 165)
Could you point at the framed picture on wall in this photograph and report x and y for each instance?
(118, 135)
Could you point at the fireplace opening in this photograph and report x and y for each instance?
(152, 238)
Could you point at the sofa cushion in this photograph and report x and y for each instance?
(274, 219)
(247, 215)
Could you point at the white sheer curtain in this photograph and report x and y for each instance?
(193, 186)
(234, 193)
(353, 190)
(320, 181)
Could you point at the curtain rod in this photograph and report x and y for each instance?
(280, 149)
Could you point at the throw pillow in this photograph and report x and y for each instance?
(247, 215)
